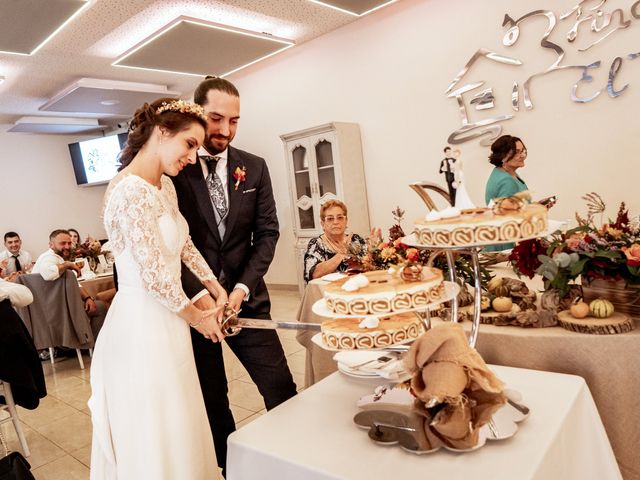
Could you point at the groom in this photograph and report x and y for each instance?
(227, 199)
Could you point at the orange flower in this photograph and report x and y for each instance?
(574, 240)
(387, 253)
(633, 255)
(240, 174)
(413, 255)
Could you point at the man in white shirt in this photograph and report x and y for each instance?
(14, 259)
(52, 264)
(18, 295)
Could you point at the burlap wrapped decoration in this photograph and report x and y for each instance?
(455, 389)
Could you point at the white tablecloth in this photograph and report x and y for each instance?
(312, 436)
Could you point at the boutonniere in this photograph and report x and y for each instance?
(240, 174)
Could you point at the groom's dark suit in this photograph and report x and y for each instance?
(242, 256)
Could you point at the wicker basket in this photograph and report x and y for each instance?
(624, 298)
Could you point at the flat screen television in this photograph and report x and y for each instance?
(96, 161)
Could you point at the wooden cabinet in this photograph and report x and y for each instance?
(324, 163)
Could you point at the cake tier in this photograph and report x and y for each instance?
(385, 293)
(345, 333)
(483, 227)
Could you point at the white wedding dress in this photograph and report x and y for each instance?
(149, 418)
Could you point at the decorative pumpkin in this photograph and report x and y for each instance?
(601, 308)
(501, 291)
(579, 309)
(494, 283)
(485, 303)
(502, 304)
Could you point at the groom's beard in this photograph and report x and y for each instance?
(216, 144)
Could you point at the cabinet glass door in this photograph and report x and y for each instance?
(304, 192)
(326, 170)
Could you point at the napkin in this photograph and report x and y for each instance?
(332, 277)
(455, 390)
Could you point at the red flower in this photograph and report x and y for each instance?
(524, 256)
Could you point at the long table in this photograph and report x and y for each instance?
(608, 363)
(312, 437)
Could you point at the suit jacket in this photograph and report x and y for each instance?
(248, 246)
(19, 362)
(56, 318)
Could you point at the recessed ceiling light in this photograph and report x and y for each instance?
(344, 5)
(109, 102)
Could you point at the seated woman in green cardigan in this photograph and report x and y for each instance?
(508, 154)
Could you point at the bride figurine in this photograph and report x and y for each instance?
(463, 200)
(148, 414)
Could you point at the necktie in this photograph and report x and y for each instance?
(216, 192)
(18, 266)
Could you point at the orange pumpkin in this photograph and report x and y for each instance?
(579, 309)
(502, 304)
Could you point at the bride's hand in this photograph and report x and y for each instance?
(209, 326)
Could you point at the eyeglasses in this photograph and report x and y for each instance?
(522, 152)
(337, 218)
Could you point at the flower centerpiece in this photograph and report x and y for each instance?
(90, 249)
(381, 254)
(594, 250)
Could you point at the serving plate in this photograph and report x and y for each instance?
(398, 424)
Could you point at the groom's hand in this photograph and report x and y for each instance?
(235, 298)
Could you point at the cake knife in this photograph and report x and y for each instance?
(233, 322)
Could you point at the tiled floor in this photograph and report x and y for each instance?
(59, 430)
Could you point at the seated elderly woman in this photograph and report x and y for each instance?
(328, 253)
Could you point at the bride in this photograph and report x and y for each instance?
(148, 415)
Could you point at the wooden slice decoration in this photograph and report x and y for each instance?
(616, 323)
(490, 316)
(487, 317)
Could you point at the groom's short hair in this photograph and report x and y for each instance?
(213, 83)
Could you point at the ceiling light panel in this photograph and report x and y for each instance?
(105, 97)
(354, 7)
(195, 47)
(26, 25)
(55, 125)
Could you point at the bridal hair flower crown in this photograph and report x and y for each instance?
(182, 107)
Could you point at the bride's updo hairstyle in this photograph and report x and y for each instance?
(502, 148)
(172, 115)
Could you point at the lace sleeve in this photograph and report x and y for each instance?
(190, 255)
(195, 262)
(131, 218)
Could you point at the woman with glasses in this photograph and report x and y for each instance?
(328, 253)
(507, 155)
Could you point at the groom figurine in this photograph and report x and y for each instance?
(227, 200)
(447, 167)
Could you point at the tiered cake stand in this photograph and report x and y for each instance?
(473, 251)
(451, 290)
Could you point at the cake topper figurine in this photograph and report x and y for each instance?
(462, 199)
(447, 166)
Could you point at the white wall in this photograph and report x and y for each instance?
(388, 72)
(39, 191)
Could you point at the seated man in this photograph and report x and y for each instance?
(14, 260)
(53, 263)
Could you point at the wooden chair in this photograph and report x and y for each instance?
(423, 188)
